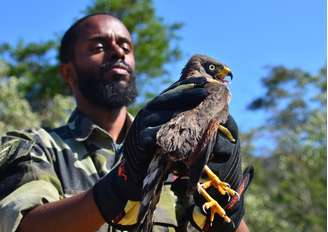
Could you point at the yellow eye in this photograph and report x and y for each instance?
(211, 67)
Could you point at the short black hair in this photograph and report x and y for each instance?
(66, 50)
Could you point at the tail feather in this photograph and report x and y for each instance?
(152, 187)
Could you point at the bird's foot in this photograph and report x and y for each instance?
(213, 206)
(223, 187)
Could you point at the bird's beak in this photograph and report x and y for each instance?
(223, 73)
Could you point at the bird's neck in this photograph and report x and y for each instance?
(191, 73)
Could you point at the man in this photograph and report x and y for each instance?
(50, 178)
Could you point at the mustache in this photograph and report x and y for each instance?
(119, 64)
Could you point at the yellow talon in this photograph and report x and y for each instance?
(212, 204)
(222, 187)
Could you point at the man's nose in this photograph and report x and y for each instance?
(116, 52)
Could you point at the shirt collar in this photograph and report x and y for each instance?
(83, 127)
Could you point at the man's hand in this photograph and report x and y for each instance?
(124, 182)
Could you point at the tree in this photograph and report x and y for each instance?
(15, 110)
(289, 191)
(35, 65)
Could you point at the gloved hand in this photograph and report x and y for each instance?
(124, 182)
(226, 164)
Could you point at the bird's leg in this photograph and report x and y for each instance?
(223, 187)
(213, 205)
(214, 180)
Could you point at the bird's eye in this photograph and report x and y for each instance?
(211, 67)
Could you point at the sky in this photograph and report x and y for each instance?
(248, 36)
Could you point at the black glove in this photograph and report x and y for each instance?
(226, 164)
(124, 182)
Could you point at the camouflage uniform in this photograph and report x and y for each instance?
(38, 166)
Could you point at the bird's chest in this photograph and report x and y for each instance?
(181, 135)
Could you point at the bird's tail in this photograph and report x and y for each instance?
(152, 186)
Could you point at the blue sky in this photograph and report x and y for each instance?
(246, 35)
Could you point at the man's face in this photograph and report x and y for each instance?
(104, 62)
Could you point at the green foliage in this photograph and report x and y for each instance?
(15, 111)
(289, 191)
(61, 106)
(38, 82)
(35, 62)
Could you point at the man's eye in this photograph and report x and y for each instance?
(126, 47)
(98, 47)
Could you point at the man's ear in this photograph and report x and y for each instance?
(67, 72)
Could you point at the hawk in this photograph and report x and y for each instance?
(188, 139)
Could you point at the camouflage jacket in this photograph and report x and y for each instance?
(38, 166)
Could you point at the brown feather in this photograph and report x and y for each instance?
(179, 137)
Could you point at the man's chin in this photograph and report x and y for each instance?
(116, 76)
(123, 84)
(109, 91)
(109, 104)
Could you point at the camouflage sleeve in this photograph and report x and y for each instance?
(27, 178)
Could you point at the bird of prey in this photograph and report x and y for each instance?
(189, 138)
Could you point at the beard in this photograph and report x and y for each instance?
(109, 94)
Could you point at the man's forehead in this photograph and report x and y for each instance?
(103, 25)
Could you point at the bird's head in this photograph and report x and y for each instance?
(201, 65)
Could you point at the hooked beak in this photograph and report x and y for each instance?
(223, 73)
